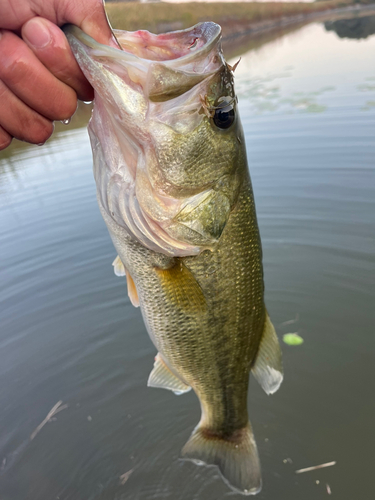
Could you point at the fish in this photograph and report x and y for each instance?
(174, 189)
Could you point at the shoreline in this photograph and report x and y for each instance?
(236, 19)
(233, 31)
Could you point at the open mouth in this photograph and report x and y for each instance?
(191, 45)
(165, 65)
(152, 83)
(170, 46)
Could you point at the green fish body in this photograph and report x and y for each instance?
(175, 192)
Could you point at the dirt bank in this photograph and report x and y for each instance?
(236, 18)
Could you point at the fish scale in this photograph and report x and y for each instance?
(184, 180)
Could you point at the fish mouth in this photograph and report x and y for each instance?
(150, 79)
(186, 45)
(176, 49)
(165, 65)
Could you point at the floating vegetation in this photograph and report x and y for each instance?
(366, 88)
(369, 105)
(293, 339)
(265, 96)
(315, 108)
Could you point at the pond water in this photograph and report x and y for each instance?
(69, 333)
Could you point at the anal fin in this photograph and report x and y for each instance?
(162, 377)
(268, 367)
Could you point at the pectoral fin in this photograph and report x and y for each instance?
(162, 377)
(181, 288)
(132, 291)
(120, 270)
(118, 267)
(268, 367)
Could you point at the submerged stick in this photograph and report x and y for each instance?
(50, 414)
(291, 321)
(315, 467)
(125, 477)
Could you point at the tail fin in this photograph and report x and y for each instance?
(236, 457)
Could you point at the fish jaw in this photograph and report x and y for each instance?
(147, 110)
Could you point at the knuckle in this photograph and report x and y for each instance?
(65, 105)
(14, 66)
(5, 140)
(73, 106)
(42, 130)
(68, 111)
(36, 130)
(3, 92)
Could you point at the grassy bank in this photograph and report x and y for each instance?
(160, 17)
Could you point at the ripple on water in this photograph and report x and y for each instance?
(68, 332)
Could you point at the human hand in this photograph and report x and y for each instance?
(39, 78)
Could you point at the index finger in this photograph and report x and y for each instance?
(89, 15)
(51, 47)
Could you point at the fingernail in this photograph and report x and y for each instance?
(36, 34)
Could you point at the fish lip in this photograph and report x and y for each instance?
(72, 31)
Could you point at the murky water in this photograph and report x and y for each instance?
(68, 332)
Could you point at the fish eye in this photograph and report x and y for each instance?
(224, 116)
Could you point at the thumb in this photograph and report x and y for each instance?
(90, 16)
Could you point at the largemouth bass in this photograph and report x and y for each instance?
(174, 190)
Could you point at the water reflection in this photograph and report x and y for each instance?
(79, 120)
(238, 45)
(280, 77)
(265, 96)
(357, 27)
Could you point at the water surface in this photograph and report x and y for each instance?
(69, 333)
